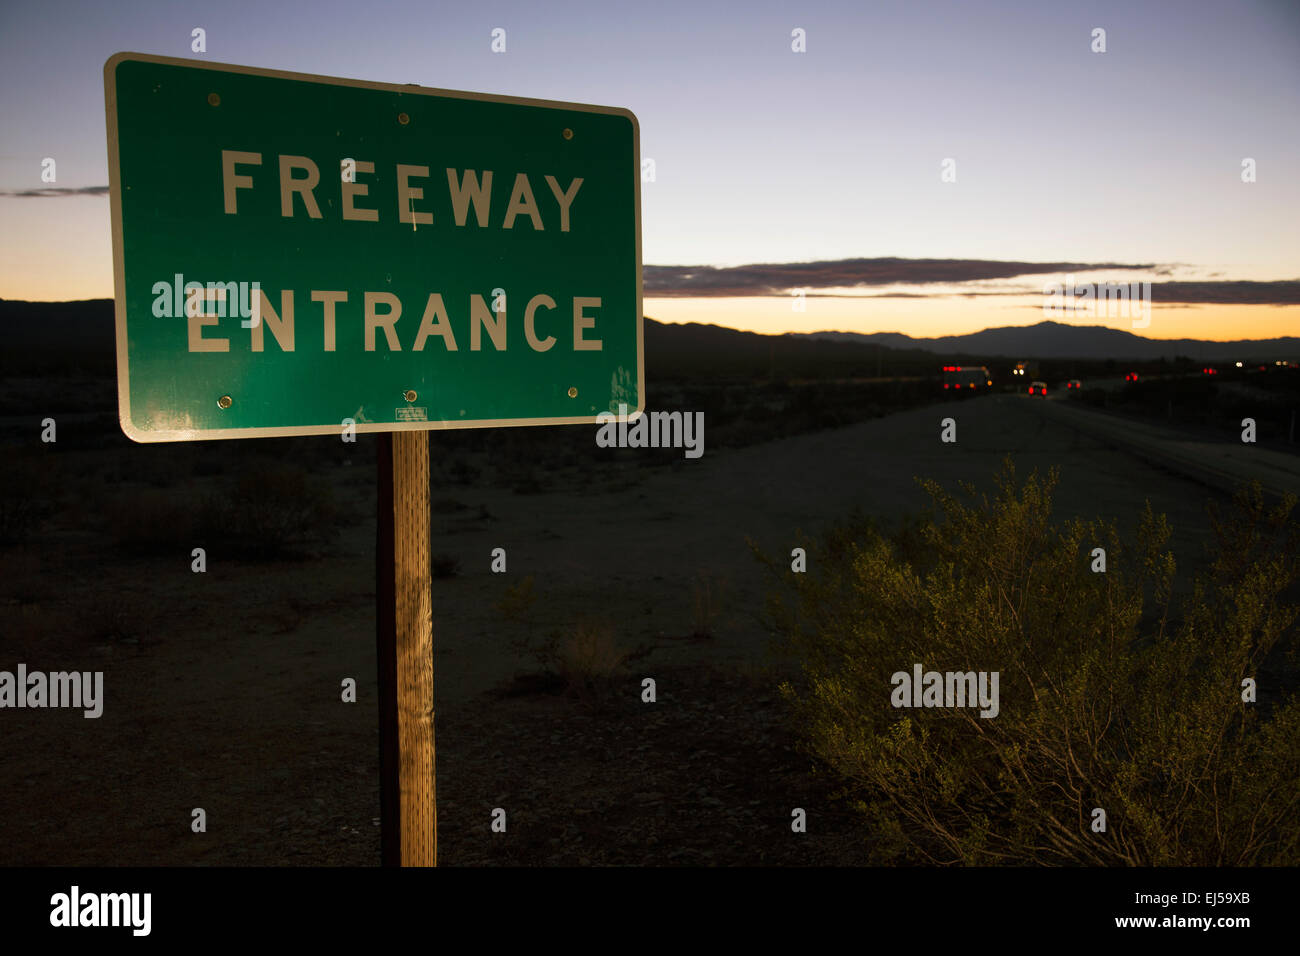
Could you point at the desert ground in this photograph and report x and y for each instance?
(223, 688)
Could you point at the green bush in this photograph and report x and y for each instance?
(1107, 699)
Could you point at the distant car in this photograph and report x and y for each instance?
(1037, 388)
(1131, 377)
(969, 377)
(1074, 383)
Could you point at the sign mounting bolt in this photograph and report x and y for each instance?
(214, 99)
(403, 118)
(568, 133)
(224, 402)
(573, 391)
(410, 395)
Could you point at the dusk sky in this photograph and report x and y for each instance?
(1126, 164)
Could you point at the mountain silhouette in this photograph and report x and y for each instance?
(84, 330)
(1057, 340)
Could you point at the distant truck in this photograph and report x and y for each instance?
(967, 378)
(1027, 370)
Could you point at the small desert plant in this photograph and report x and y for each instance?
(518, 606)
(205, 466)
(583, 661)
(522, 468)
(589, 660)
(152, 522)
(1108, 700)
(19, 518)
(161, 471)
(286, 618)
(114, 618)
(708, 594)
(272, 511)
(24, 501)
(462, 471)
(444, 565)
(519, 602)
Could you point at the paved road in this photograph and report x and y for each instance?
(1218, 464)
(635, 553)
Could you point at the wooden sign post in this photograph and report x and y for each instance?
(404, 649)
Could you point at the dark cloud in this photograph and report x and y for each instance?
(780, 278)
(1188, 294)
(1284, 292)
(49, 192)
(1194, 294)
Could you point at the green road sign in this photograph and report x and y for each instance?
(293, 254)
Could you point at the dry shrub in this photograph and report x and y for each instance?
(1110, 697)
(273, 511)
(708, 596)
(148, 522)
(589, 660)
